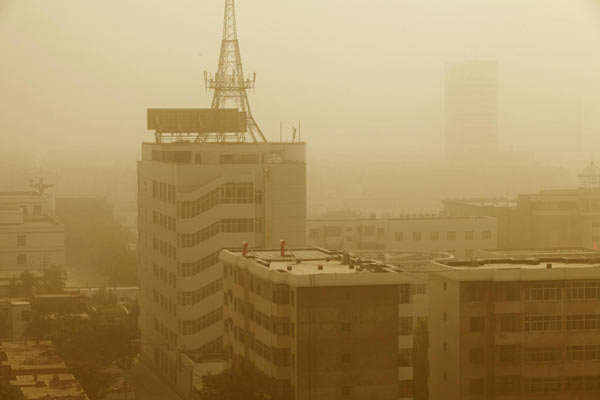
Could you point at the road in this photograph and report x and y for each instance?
(147, 385)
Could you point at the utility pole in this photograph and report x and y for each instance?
(229, 84)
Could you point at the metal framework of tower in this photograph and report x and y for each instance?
(229, 84)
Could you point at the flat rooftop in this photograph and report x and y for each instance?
(314, 267)
(34, 356)
(486, 202)
(532, 269)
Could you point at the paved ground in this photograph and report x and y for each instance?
(147, 385)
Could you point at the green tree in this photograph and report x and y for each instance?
(421, 361)
(10, 392)
(236, 384)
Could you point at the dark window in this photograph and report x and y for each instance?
(477, 324)
(477, 355)
(508, 354)
(477, 386)
(21, 240)
(346, 390)
(346, 358)
(510, 322)
(21, 259)
(347, 326)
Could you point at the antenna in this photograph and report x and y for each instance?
(228, 82)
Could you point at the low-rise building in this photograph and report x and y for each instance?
(520, 328)
(31, 238)
(459, 236)
(321, 324)
(38, 371)
(15, 313)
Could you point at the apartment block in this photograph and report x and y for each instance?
(459, 236)
(31, 237)
(322, 324)
(15, 313)
(194, 199)
(515, 329)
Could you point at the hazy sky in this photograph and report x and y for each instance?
(361, 75)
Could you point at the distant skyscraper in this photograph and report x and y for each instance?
(471, 102)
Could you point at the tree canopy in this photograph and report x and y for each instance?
(236, 384)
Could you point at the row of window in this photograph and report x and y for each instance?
(539, 323)
(280, 357)
(187, 270)
(228, 225)
(190, 298)
(514, 354)
(450, 235)
(228, 193)
(163, 191)
(164, 275)
(164, 221)
(164, 248)
(171, 337)
(540, 291)
(191, 327)
(510, 385)
(165, 303)
(277, 325)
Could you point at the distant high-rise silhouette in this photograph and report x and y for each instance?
(471, 102)
(229, 83)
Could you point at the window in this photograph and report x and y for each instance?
(405, 325)
(405, 294)
(507, 291)
(589, 322)
(346, 358)
(380, 232)
(542, 354)
(477, 355)
(21, 259)
(477, 386)
(347, 327)
(477, 324)
(510, 322)
(405, 357)
(346, 390)
(506, 385)
(542, 385)
(582, 383)
(542, 292)
(540, 323)
(508, 354)
(486, 235)
(315, 233)
(582, 290)
(416, 236)
(434, 236)
(583, 353)
(21, 240)
(476, 291)
(469, 235)
(451, 236)
(399, 236)
(405, 388)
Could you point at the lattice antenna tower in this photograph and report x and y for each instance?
(228, 83)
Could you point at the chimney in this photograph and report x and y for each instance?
(282, 247)
(244, 249)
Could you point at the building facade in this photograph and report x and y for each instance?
(459, 236)
(195, 199)
(31, 237)
(471, 108)
(549, 219)
(515, 329)
(320, 324)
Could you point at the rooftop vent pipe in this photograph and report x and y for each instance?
(244, 249)
(549, 266)
(282, 247)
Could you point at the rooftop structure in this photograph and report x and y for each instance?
(35, 368)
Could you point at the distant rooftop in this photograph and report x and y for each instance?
(487, 202)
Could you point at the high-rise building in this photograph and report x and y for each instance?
(515, 328)
(322, 324)
(471, 108)
(195, 199)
